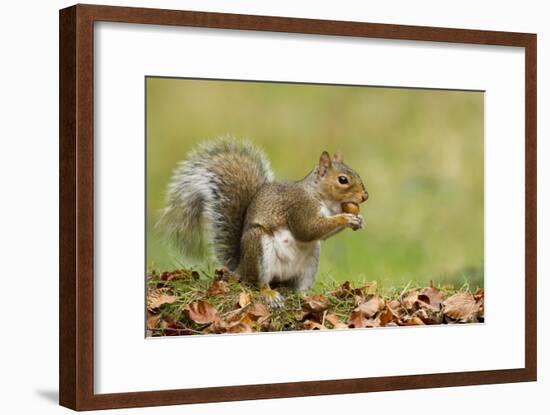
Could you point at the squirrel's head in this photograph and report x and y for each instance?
(338, 181)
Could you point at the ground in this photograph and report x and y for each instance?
(191, 302)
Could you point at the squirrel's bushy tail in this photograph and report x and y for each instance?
(208, 197)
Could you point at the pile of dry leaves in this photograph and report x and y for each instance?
(184, 302)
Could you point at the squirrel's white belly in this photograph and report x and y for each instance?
(286, 258)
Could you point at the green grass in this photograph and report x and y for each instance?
(419, 152)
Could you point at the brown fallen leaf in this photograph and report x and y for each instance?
(335, 321)
(258, 312)
(373, 322)
(461, 307)
(414, 321)
(422, 314)
(358, 299)
(429, 315)
(429, 298)
(394, 304)
(232, 315)
(201, 312)
(409, 300)
(244, 325)
(315, 303)
(435, 296)
(359, 294)
(239, 328)
(153, 321)
(218, 287)
(372, 306)
(219, 326)
(479, 296)
(362, 315)
(300, 315)
(313, 325)
(170, 327)
(159, 296)
(399, 311)
(235, 321)
(423, 303)
(387, 316)
(244, 299)
(357, 320)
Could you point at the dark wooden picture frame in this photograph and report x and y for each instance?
(76, 155)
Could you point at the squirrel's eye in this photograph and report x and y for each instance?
(342, 179)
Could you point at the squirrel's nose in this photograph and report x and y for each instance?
(365, 196)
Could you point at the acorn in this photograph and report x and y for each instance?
(350, 207)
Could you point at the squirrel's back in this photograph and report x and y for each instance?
(208, 197)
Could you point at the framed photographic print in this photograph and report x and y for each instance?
(258, 207)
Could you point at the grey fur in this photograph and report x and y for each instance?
(208, 197)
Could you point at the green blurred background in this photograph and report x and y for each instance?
(419, 152)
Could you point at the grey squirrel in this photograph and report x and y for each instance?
(223, 199)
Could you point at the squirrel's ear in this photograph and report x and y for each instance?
(324, 163)
(337, 157)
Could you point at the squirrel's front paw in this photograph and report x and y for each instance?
(272, 298)
(354, 221)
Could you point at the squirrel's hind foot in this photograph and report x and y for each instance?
(272, 298)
